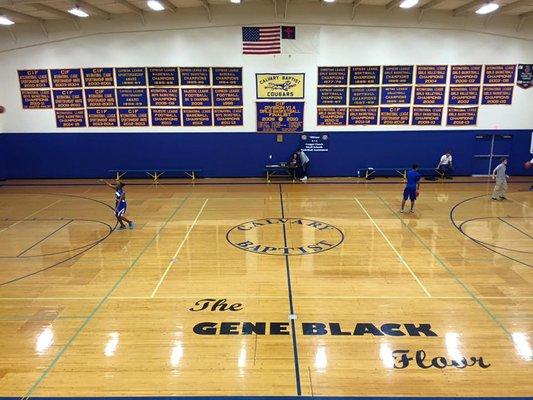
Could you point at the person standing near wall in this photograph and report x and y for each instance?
(304, 163)
(500, 175)
(446, 165)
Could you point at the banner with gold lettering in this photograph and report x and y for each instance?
(280, 86)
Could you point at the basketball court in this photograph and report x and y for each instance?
(240, 288)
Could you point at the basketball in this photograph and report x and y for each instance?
(527, 165)
(2, 109)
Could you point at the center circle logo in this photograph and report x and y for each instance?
(285, 236)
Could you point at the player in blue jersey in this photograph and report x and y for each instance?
(120, 204)
(411, 188)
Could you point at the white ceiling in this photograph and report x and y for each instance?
(27, 11)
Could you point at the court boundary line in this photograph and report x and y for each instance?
(291, 303)
(448, 269)
(173, 259)
(66, 346)
(400, 257)
(32, 214)
(518, 229)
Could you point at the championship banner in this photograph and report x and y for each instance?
(524, 76)
(280, 116)
(280, 86)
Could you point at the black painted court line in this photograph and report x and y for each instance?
(291, 305)
(46, 237)
(518, 229)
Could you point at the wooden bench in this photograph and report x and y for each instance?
(155, 173)
(402, 171)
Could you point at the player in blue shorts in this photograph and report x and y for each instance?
(120, 205)
(411, 188)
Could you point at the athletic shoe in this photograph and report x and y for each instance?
(121, 228)
(503, 198)
(494, 198)
(304, 179)
(132, 224)
(402, 211)
(412, 211)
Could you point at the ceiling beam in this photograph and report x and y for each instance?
(15, 14)
(355, 4)
(129, 6)
(512, 6)
(431, 4)
(207, 7)
(392, 4)
(169, 5)
(56, 12)
(90, 8)
(467, 7)
(526, 15)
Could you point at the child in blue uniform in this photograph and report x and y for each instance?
(411, 188)
(120, 205)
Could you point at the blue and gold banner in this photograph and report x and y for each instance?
(33, 78)
(195, 76)
(164, 97)
(462, 116)
(70, 118)
(163, 76)
(166, 117)
(394, 115)
(397, 74)
(524, 77)
(466, 74)
(102, 117)
(132, 97)
(36, 99)
(464, 95)
(429, 95)
(227, 76)
(280, 116)
(497, 95)
(280, 86)
(364, 96)
(100, 98)
(71, 98)
(363, 116)
(499, 74)
(333, 76)
(427, 116)
(227, 97)
(365, 75)
(228, 116)
(431, 74)
(198, 97)
(98, 77)
(331, 116)
(131, 117)
(131, 76)
(396, 94)
(66, 78)
(331, 96)
(197, 117)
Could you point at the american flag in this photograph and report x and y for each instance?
(261, 40)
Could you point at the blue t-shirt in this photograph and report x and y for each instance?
(412, 179)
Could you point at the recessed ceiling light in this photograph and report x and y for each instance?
(155, 5)
(408, 3)
(487, 8)
(329, 1)
(5, 21)
(235, 1)
(78, 12)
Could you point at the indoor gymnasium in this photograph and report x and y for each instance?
(266, 199)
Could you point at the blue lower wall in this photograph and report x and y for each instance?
(88, 155)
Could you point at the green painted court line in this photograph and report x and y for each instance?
(101, 303)
(34, 318)
(448, 269)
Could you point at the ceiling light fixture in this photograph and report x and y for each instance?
(408, 3)
(78, 12)
(487, 8)
(329, 1)
(235, 1)
(155, 5)
(5, 21)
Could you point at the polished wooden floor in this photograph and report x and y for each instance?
(86, 310)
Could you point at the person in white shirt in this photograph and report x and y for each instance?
(304, 163)
(445, 166)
